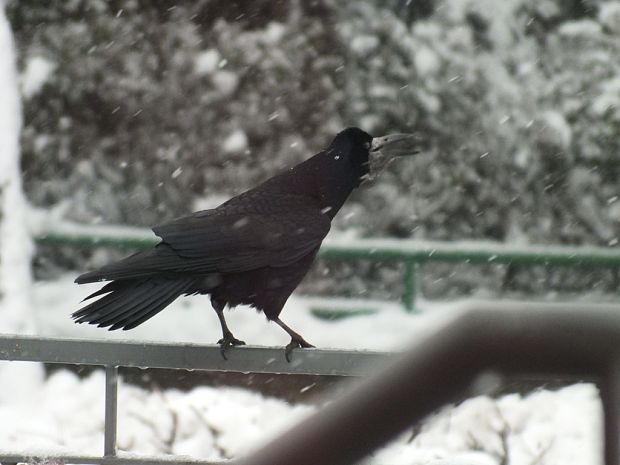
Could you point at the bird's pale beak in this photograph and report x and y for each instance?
(396, 144)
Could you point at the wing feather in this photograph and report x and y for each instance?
(233, 240)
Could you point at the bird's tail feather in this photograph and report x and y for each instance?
(129, 303)
(143, 264)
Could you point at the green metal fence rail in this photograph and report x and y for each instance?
(411, 253)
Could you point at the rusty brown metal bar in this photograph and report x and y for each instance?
(512, 338)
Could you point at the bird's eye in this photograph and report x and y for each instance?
(367, 145)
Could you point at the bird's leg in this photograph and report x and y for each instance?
(297, 342)
(228, 340)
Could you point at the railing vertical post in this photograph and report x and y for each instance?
(409, 296)
(111, 396)
(610, 394)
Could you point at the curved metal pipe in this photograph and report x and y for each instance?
(516, 338)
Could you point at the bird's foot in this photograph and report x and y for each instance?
(296, 343)
(227, 342)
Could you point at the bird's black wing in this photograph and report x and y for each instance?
(236, 238)
(248, 232)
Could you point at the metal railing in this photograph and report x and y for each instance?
(574, 341)
(411, 253)
(112, 355)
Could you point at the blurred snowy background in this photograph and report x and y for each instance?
(136, 112)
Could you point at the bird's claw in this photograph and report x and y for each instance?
(227, 342)
(295, 344)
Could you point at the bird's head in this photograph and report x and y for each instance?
(370, 155)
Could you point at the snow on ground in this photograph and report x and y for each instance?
(216, 423)
(541, 428)
(206, 422)
(193, 320)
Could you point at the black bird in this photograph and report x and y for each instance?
(253, 249)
